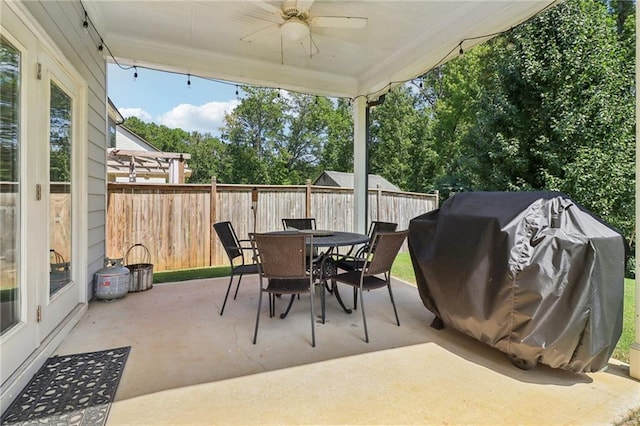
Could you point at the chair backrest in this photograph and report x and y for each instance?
(374, 228)
(386, 246)
(299, 223)
(229, 239)
(377, 226)
(281, 256)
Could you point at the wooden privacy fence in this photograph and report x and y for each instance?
(175, 221)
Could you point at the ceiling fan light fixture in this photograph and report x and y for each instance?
(294, 29)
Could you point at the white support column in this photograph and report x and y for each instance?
(359, 164)
(634, 352)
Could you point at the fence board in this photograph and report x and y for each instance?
(174, 221)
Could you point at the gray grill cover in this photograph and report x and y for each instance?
(532, 274)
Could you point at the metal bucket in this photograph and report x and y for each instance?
(112, 281)
(141, 277)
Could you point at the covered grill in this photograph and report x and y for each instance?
(532, 274)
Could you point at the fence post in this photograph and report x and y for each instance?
(212, 220)
(308, 199)
(378, 195)
(437, 198)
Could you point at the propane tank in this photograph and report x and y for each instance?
(112, 281)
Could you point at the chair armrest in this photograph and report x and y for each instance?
(248, 247)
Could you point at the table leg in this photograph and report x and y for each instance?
(334, 287)
(286, 312)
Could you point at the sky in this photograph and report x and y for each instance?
(166, 98)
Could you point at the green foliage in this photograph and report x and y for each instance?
(190, 274)
(394, 128)
(9, 112)
(338, 149)
(548, 105)
(403, 268)
(282, 139)
(59, 136)
(621, 352)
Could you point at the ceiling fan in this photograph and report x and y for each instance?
(294, 22)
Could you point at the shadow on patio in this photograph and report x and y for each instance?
(189, 365)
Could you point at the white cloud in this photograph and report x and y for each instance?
(135, 112)
(205, 118)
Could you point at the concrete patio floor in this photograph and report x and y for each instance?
(189, 365)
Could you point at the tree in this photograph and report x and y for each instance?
(557, 112)
(208, 155)
(301, 147)
(393, 130)
(449, 95)
(338, 150)
(251, 131)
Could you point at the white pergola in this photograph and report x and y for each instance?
(311, 47)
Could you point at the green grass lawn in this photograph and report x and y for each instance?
(626, 340)
(403, 269)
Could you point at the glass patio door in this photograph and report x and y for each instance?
(59, 292)
(18, 300)
(39, 104)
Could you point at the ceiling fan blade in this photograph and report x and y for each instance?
(304, 5)
(269, 7)
(261, 33)
(339, 22)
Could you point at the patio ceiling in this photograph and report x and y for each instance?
(400, 41)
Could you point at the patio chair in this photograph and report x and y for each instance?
(354, 261)
(235, 252)
(376, 270)
(290, 224)
(299, 223)
(283, 270)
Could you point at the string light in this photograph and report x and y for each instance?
(85, 23)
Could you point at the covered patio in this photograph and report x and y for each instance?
(189, 365)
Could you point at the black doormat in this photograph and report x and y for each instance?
(70, 390)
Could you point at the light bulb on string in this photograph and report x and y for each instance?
(101, 47)
(461, 51)
(85, 23)
(236, 90)
(189, 80)
(135, 73)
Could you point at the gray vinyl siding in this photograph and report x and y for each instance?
(63, 22)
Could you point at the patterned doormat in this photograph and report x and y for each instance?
(70, 390)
